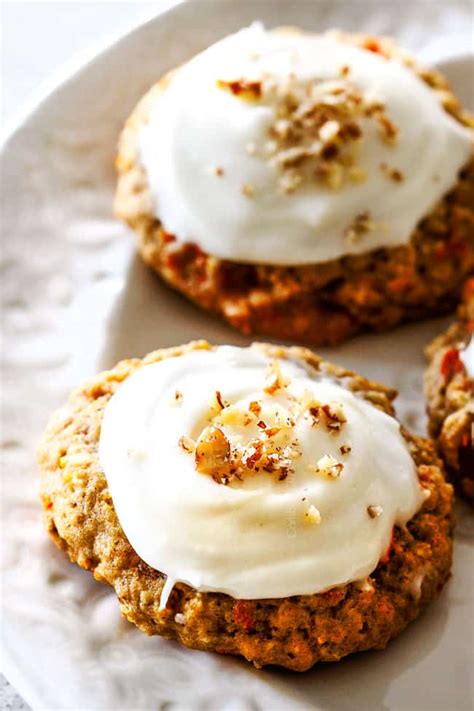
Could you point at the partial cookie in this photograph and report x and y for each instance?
(308, 199)
(449, 388)
(254, 486)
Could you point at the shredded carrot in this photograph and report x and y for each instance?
(334, 596)
(451, 363)
(373, 45)
(399, 284)
(386, 556)
(447, 250)
(468, 289)
(385, 608)
(243, 614)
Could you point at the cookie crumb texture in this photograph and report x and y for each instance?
(293, 632)
(314, 304)
(450, 396)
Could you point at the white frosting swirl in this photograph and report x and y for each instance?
(195, 127)
(259, 537)
(467, 357)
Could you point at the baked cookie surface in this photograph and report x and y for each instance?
(449, 388)
(313, 303)
(294, 632)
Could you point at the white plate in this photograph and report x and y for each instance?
(76, 299)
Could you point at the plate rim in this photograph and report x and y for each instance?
(73, 66)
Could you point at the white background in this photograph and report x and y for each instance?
(39, 37)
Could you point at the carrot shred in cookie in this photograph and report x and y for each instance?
(448, 250)
(386, 556)
(242, 614)
(451, 363)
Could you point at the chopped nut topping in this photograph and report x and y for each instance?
(329, 131)
(275, 380)
(248, 90)
(345, 448)
(272, 446)
(272, 431)
(177, 398)
(317, 127)
(220, 401)
(255, 408)
(387, 128)
(374, 511)
(273, 450)
(233, 416)
(361, 225)
(314, 409)
(357, 175)
(334, 415)
(267, 455)
(317, 130)
(270, 148)
(329, 466)
(179, 618)
(290, 181)
(247, 189)
(252, 454)
(326, 461)
(187, 443)
(331, 413)
(393, 173)
(331, 173)
(312, 515)
(212, 453)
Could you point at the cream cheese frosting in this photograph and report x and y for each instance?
(215, 149)
(467, 357)
(234, 473)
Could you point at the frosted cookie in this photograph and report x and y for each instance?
(449, 388)
(254, 501)
(306, 187)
